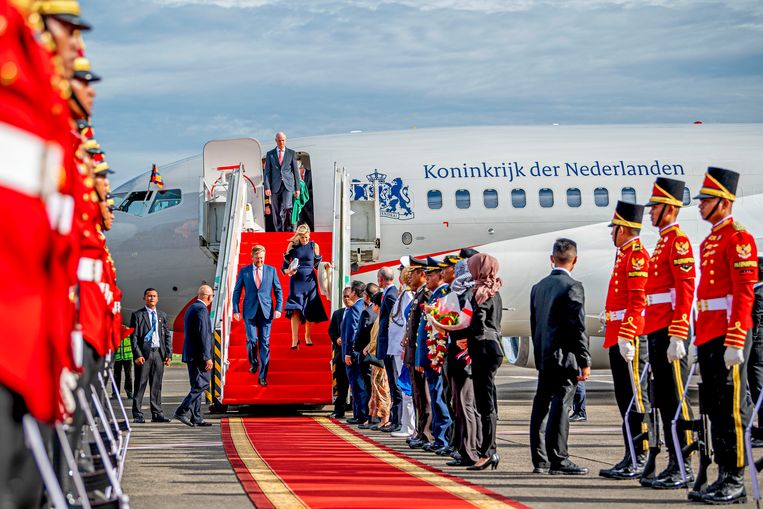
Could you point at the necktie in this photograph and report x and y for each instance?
(280, 156)
(257, 277)
(150, 335)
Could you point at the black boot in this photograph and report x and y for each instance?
(730, 491)
(629, 471)
(609, 472)
(670, 479)
(696, 496)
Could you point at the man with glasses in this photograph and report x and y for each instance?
(197, 354)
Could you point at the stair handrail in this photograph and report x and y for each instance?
(221, 313)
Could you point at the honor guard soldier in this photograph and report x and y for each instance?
(419, 385)
(626, 300)
(728, 271)
(669, 298)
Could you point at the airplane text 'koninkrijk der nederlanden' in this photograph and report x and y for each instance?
(512, 170)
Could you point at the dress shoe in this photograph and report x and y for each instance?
(629, 471)
(365, 425)
(491, 462)
(263, 382)
(696, 496)
(139, 420)
(334, 415)
(578, 418)
(670, 478)
(253, 369)
(417, 443)
(567, 468)
(352, 420)
(444, 451)
(182, 418)
(609, 472)
(730, 491)
(295, 346)
(541, 469)
(160, 418)
(430, 447)
(202, 424)
(390, 428)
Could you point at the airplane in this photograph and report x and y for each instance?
(509, 191)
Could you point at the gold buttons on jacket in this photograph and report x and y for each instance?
(8, 73)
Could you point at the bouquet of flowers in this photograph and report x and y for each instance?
(446, 315)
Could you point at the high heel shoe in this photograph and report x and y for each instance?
(491, 462)
(308, 344)
(295, 347)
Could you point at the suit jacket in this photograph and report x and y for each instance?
(388, 302)
(411, 332)
(254, 297)
(197, 344)
(557, 322)
(141, 322)
(350, 326)
(335, 326)
(363, 332)
(285, 173)
(757, 317)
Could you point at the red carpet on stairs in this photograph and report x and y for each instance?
(317, 462)
(300, 376)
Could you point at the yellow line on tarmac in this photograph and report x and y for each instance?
(271, 485)
(463, 491)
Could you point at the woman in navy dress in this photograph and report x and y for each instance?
(304, 302)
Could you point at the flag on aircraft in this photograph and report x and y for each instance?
(156, 178)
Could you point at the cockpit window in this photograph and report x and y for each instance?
(165, 199)
(118, 198)
(136, 202)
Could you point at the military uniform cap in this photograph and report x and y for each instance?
(451, 260)
(67, 11)
(467, 252)
(82, 70)
(82, 124)
(628, 214)
(434, 264)
(92, 147)
(719, 183)
(667, 191)
(103, 169)
(417, 263)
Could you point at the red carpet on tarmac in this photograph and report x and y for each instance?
(317, 462)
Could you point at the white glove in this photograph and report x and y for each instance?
(627, 349)
(676, 350)
(692, 356)
(733, 356)
(68, 383)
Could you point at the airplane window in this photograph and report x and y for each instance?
(434, 199)
(546, 197)
(573, 197)
(490, 198)
(165, 200)
(136, 202)
(629, 194)
(463, 200)
(601, 196)
(687, 196)
(518, 198)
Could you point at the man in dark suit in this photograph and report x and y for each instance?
(360, 342)
(152, 350)
(197, 354)
(386, 280)
(281, 182)
(557, 322)
(261, 283)
(339, 372)
(349, 328)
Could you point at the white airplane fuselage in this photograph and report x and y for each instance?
(522, 183)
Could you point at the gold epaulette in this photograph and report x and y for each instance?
(738, 227)
(637, 246)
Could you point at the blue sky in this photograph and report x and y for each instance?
(180, 72)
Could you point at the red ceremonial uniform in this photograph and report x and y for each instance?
(670, 286)
(30, 163)
(626, 297)
(725, 295)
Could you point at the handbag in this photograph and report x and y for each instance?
(373, 360)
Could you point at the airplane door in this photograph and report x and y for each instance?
(341, 235)
(365, 222)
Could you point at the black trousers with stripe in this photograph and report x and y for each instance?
(669, 380)
(724, 398)
(624, 391)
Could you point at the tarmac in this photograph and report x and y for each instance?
(174, 466)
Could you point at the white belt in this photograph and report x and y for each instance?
(717, 304)
(90, 270)
(614, 316)
(659, 298)
(117, 306)
(28, 164)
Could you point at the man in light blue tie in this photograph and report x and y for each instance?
(260, 283)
